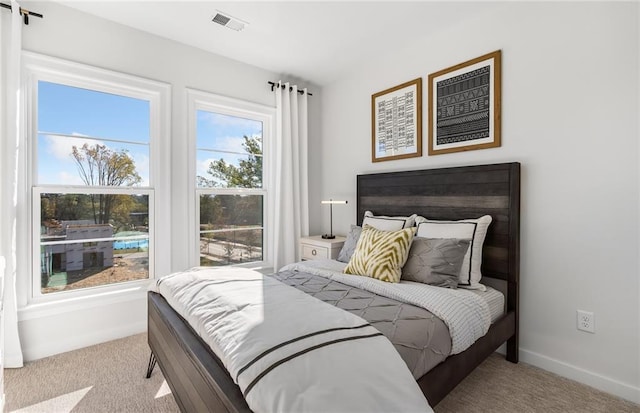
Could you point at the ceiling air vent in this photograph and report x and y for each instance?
(226, 20)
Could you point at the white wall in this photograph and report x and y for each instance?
(569, 115)
(72, 35)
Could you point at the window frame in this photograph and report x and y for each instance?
(198, 100)
(35, 68)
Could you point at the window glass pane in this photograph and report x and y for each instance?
(66, 160)
(230, 211)
(230, 247)
(74, 266)
(116, 128)
(230, 229)
(72, 111)
(236, 140)
(224, 132)
(92, 240)
(225, 170)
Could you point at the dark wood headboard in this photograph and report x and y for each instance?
(452, 194)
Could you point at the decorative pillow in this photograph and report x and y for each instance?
(386, 223)
(350, 243)
(381, 254)
(435, 261)
(473, 229)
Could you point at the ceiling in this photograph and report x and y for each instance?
(315, 42)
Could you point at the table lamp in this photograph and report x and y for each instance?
(331, 202)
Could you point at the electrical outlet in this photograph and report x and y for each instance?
(586, 321)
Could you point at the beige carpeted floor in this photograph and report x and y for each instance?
(110, 378)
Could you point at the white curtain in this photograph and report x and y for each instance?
(291, 220)
(11, 38)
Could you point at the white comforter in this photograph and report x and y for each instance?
(274, 342)
(466, 314)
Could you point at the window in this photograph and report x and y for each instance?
(95, 137)
(230, 179)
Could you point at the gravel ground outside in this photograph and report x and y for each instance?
(124, 269)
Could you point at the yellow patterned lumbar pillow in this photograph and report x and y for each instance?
(381, 254)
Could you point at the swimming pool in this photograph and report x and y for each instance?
(125, 244)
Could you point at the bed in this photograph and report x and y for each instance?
(197, 378)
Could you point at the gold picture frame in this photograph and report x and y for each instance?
(464, 106)
(396, 122)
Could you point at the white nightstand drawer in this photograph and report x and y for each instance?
(313, 252)
(318, 248)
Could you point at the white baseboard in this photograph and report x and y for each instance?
(52, 328)
(78, 341)
(12, 361)
(606, 384)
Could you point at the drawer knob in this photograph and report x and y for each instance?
(314, 252)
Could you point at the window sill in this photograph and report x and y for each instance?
(82, 300)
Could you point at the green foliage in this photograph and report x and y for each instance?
(122, 205)
(65, 207)
(99, 165)
(248, 173)
(72, 207)
(210, 210)
(224, 211)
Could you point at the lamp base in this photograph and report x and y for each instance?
(328, 236)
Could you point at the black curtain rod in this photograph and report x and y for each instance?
(274, 85)
(24, 12)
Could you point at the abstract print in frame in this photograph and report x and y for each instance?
(396, 122)
(464, 106)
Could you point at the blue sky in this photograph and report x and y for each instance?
(222, 133)
(80, 113)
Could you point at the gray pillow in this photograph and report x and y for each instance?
(435, 261)
(350, 243)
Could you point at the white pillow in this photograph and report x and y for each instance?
(473, 229)
(386, 223)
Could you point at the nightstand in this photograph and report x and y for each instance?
(317, 248)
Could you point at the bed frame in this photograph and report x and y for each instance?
(200, 383)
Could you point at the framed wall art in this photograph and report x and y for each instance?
(396, 122)
(464, 106)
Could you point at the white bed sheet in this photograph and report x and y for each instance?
(495, 301)
(285, 359)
